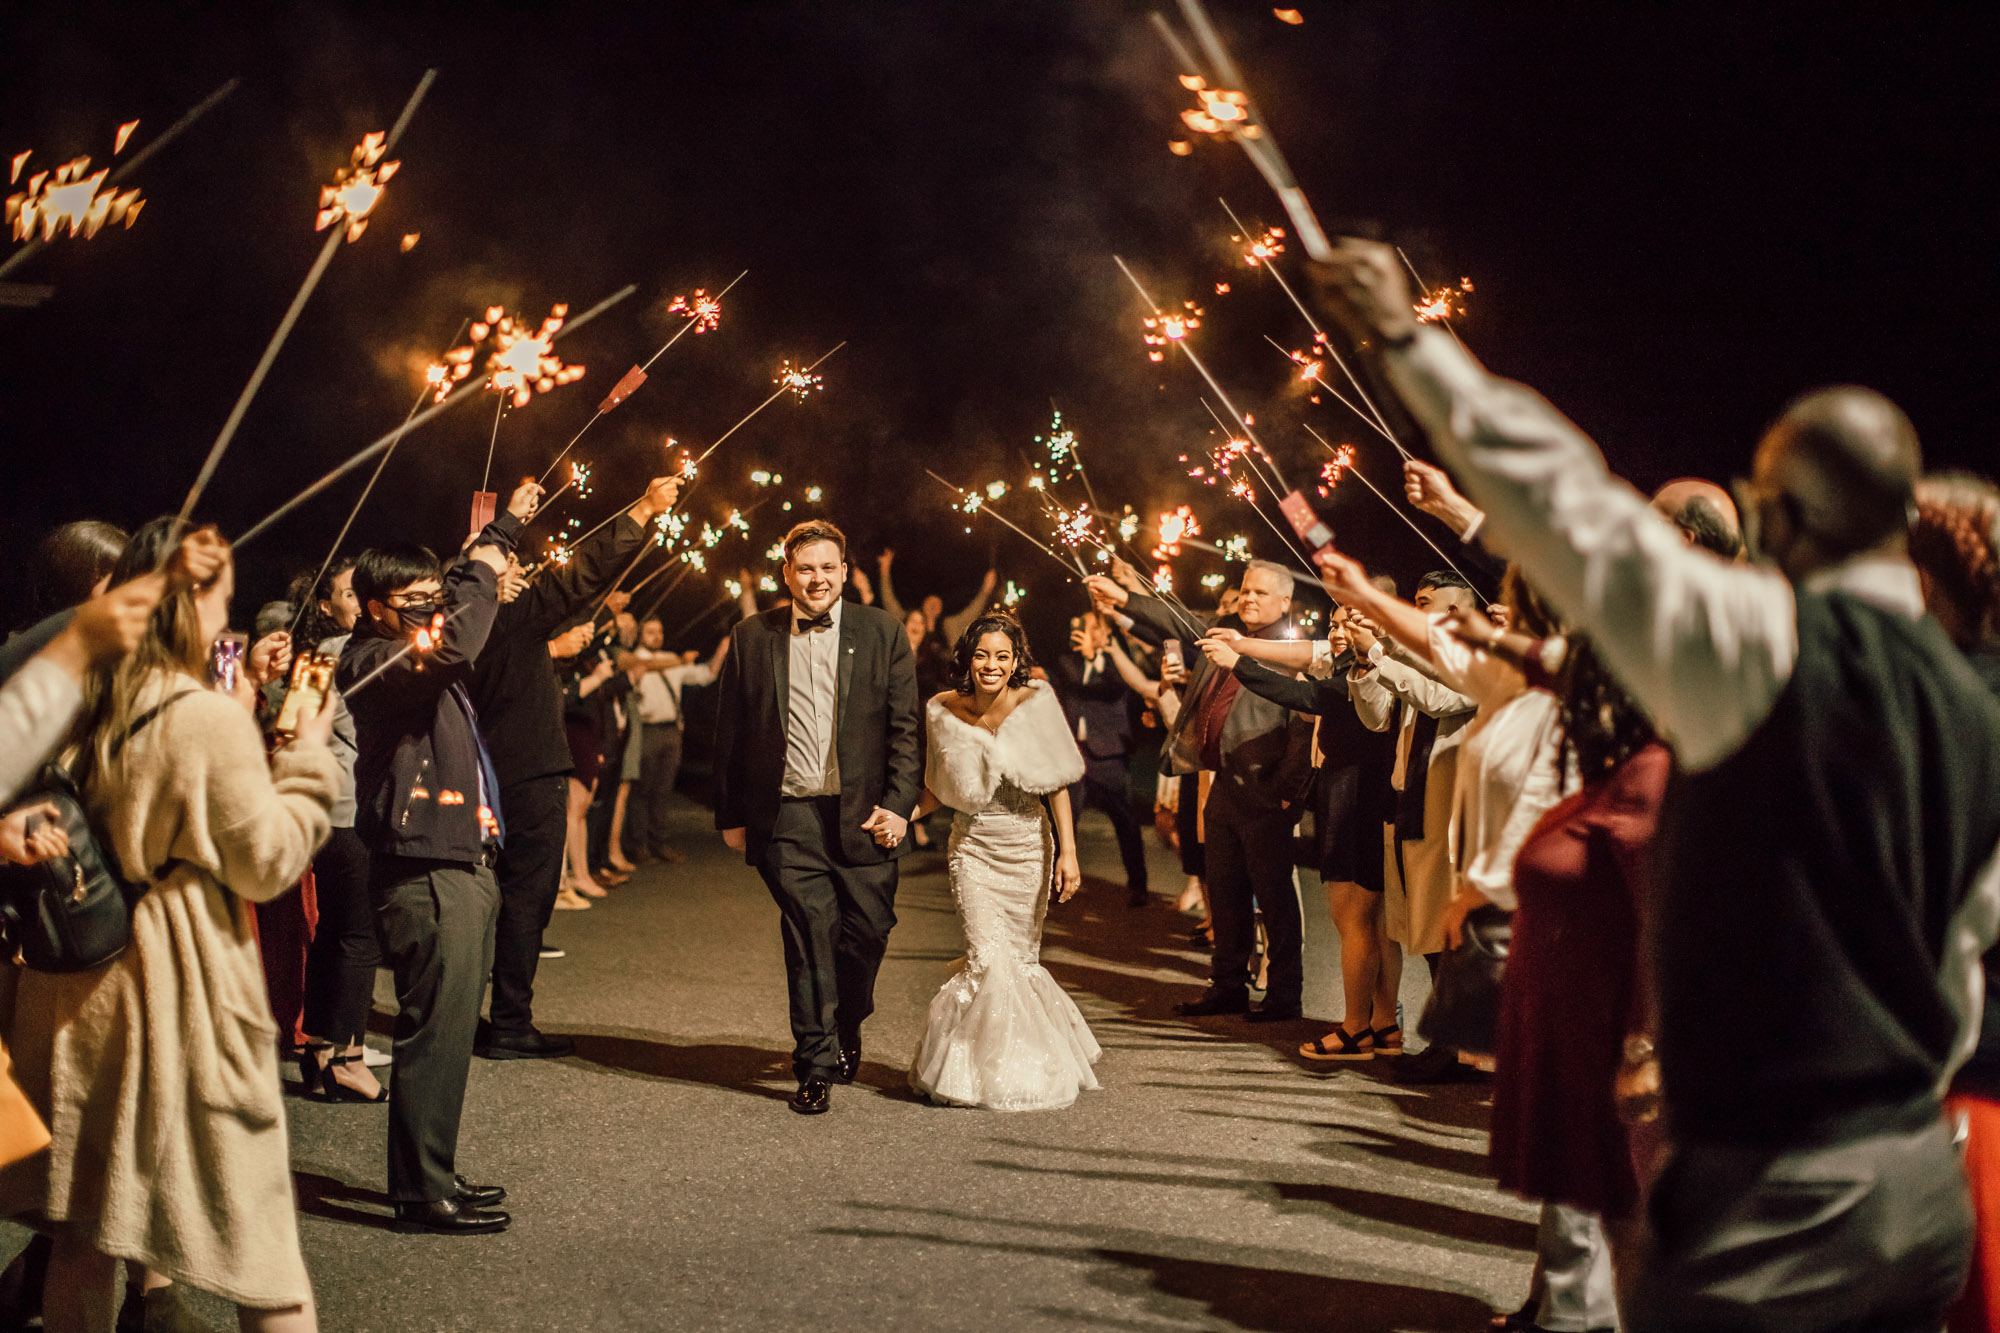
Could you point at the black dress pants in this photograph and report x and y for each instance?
(1248, 851)
(1107, 785)
(343, 956)
(437, 933)
(835, 919)
(529, 873)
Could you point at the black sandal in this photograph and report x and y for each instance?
(321, 1085)
(1340, 1044)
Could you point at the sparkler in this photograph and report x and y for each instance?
(1320, 340)
(1440, 305)
(1227, 109)
(423, 641)
(305, 292)
(130, 164)
(459, 394)
(973, 502)
(68, 200)
(702, 312)
(1343, 464)
(356, 188)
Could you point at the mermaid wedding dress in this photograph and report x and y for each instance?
(1002, 1034)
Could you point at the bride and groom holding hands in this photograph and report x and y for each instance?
(824, 754)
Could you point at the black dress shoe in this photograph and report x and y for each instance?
(1433, 1065)
(850, 1060)
(477, 1196)
(1270, 1013)
(529, 1045)
(1137, 897)
(1214, 1001)
(448, 1217)
(814, 1097)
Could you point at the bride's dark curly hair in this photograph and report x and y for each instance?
(993, 622)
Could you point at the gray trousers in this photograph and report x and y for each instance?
(653, 794)
(1871, 1233)
(1572, 1290)
(437, 936)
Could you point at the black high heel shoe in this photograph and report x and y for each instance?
(323, 1086)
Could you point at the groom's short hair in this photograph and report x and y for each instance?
(814, 530)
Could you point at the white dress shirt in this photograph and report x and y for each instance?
(812, 764)
(1704, 646)
(660, 690)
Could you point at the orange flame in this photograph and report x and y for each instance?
(356, 188)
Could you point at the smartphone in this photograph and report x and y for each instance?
(312, 679)
(1170, 655)
(225, 659)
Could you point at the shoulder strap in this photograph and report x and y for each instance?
(139, 722)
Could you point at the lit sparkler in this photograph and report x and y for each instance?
(1336, 467)
(813, 494)
(1162, 329)
(800, 381)
(1175, 526)
(1262, 249)
(1444, 303)
(69, 201)
(357, 187)
(703, 310)
(1011, 598)
(1213, 581)
(524, 363)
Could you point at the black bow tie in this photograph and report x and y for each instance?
(822, 621)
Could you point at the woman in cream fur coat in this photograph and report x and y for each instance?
(157, 1073)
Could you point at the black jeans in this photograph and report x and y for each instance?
(1249, 859)
(437, 932)
(835, 919)
(1107, 785)
(343, 956)
(529, 873)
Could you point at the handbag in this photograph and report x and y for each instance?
(1463, 1011)
(72, 913)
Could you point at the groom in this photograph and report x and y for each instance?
(817, 770)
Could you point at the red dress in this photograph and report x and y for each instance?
(1572, 992)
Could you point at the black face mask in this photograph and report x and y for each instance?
(417, 613)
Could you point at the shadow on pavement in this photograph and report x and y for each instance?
(744, 1069)
(324, 1196)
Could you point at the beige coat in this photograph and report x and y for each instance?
(157, 1073)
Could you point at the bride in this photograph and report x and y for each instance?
(1002, 1033)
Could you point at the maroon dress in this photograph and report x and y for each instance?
(1572, 993)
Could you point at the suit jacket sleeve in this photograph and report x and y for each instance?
(1152, 615)
(729, 810)
(904, 781)
(560, 591)
(1318, 698)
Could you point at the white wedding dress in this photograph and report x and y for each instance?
(1002, 1034)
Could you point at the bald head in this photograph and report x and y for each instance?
(1835, 477)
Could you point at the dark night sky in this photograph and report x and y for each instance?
(1676, 218)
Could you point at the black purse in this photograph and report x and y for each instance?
(72, 913)
(1463, 1011)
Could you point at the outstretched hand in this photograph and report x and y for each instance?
(1429, 489)
(1363, 287)
(1105, 593)
(525, 500)
(660, 495)
(1219, 651)
(1342, 577)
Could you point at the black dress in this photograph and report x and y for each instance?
(1351, 797)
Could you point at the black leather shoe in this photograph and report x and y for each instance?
(448, 1217)
(1137, 897)
(477, 1196)
(529, 1045)
(1270, 1013)
(814, 1097)
(1214, 1001)
(850, 1060)
(1433, 1065)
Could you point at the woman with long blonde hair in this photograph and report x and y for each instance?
(157, 1071)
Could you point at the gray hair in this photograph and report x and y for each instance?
(1286, 583)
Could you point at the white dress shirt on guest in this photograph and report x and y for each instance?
(660, 690)
(812, 765)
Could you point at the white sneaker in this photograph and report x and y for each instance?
(547, 952)
(374, 1059)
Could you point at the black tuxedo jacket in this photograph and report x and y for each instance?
(876, 716)
(1104, 703)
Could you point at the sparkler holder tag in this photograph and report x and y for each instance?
(1312, 530)
(622, 390)
(484, 505)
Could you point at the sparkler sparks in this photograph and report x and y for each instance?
(523, 363)
(410, 239)
(1336, 467)
(579, 477)
(765, 583)
(1213, 581)
(1175, 525)
(813, 494)
(1445, 303)
(799, 380)
(124, 137)
(1012, 597)
(1263, 248)
(67, 199)
(356, 188)
(1217, 110)
(703, 309)
(1162, 329)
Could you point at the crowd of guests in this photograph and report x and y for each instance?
(1689, 807)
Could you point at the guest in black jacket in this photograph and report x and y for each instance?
(520, 705)
(428, 806)
(1097, 701)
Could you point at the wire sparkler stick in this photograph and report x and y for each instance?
(1396, 508)
(1319, 336)
(1247, 125)
(692, 469)
(1443, 318)
(989, 511)
(132, 163)
(1342, 398)
(610, 403)
(498, 408)
(403, 652)
(721, 602)
(459, 395)
(271, 349)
